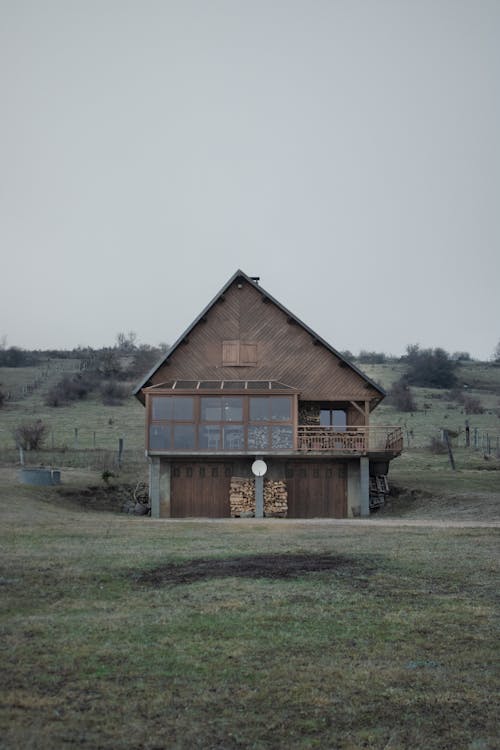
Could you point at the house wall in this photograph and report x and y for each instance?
(285, 351)
(356, 484)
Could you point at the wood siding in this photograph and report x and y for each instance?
(316, 490)
(200, 490)
(285, 351)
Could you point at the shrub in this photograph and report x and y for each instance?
(432, 368)
(3, 398)
(437, 446)
(472, 405)
(114, 394)
(30, 436)
(371, 358)
(401, 396)
(71, 389)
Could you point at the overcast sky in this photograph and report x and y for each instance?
(346, 151)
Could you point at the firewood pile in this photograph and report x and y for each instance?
(275, 499)
(242, 498)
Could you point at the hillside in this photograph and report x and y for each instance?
(86, 433)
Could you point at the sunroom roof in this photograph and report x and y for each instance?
(222, 385)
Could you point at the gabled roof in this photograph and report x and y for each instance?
(249, 280)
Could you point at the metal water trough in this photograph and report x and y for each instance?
(41, 477)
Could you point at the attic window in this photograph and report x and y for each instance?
(237, 353)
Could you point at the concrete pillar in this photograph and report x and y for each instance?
(353, 490)
(159, 487)
(154, 486)
(259, 497)
(364, 482)
(165, 489)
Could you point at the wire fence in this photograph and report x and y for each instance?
(95, 460)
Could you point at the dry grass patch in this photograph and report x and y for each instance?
(388, 640)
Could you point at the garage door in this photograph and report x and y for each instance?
(200, 490)
(316, 490)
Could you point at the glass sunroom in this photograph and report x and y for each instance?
(238, 416)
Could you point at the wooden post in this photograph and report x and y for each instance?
(467, 434)
(475, 438)
(76, 438)
(21, 455)
(120, 452)
(52, 439)
(488, 443)
(450, 452)
(93, 440)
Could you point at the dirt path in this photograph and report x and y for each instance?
(389, 522)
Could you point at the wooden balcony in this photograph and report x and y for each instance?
(374, 439)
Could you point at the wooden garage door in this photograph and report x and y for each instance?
(200, 490)
(316, 490)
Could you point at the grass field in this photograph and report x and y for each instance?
(361, 636)
(127, 633)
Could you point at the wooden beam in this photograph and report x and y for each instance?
(358, 407)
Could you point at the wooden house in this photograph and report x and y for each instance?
(249, 380)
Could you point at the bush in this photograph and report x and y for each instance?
(472, 405)
(401, 396)
(71, 389)
(30, 436)
(432, 368)
(371, 358)
(437, 446)
(3, 398)
(114, 394)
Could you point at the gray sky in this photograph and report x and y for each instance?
(346, 151)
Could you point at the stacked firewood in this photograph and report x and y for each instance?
(242, 498)
(275, 499)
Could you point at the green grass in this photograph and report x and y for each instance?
(395, 648)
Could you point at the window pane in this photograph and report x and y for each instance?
(232, 409)
(211, 409)
(183, 436)
(259, 409)
(258, 438)
(209, 437)
(161, 407)
(233, 438)
(339, 419)
(159, 437)
(282, 437)
(183, 408)
(281, 408)
(325, 417)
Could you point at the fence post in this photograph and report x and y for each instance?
(467, 434)
(76, 438)
(93, 440)
(120, 452)
(450, 452)
(21, 455)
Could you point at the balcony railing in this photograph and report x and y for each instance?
(378, 438)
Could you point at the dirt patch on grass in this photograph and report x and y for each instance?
(256, 566)
(115, 498)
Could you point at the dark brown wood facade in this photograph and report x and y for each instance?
(284, 351)
(246, 347)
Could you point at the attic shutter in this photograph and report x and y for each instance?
(248, 353)
(230, 353)
(237, 353)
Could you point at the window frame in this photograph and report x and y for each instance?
(220, 429)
